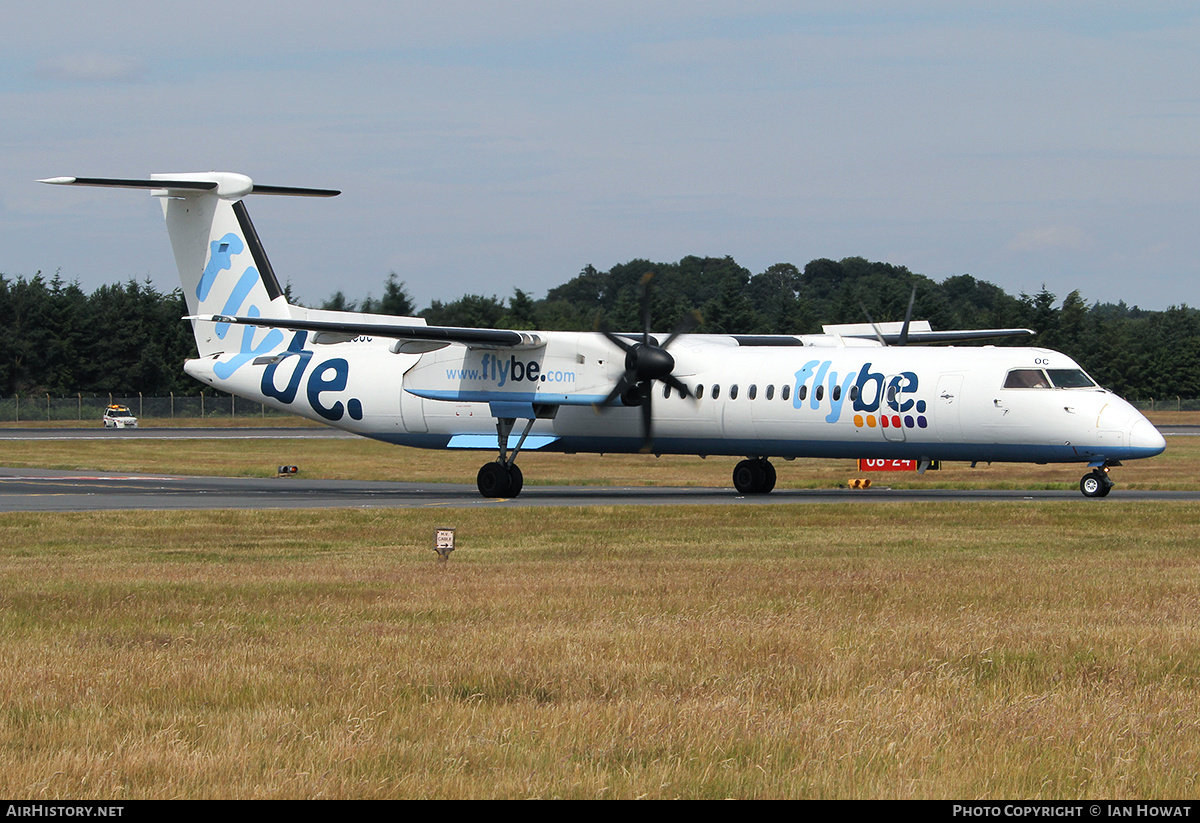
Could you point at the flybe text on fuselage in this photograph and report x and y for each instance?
(868, 392)
(501, 371)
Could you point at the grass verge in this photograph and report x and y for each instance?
(995, 650)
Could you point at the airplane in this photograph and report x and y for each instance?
(855, 390)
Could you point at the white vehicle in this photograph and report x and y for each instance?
(119, 417)
(853, 391)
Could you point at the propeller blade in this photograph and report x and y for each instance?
(646, 278)
(620, 342)
(907, 318)
(878, 333)
(678, 385)
(689, 321)
(623, 385)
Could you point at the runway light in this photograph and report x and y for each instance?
(287, 471)
(860, 483)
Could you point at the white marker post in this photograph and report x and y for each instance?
(443, 543)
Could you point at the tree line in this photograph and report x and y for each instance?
(55, 338)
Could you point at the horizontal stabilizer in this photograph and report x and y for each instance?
(115, 183)
(220, 182)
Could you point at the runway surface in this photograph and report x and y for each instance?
(58, 491)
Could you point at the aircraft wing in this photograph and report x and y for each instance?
(951, 336)
(398, 331)
(919, 331)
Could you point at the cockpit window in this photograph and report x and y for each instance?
(1071, 379)
(1026, 379)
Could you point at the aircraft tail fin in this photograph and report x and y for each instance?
(222, 264)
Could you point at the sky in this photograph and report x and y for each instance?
(483, 147)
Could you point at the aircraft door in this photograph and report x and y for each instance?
(947, 404)
(412, 408)
(890, 421)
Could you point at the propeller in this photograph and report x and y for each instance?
(645, 362)
(902, 340)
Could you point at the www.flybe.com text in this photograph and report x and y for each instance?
(500, 371)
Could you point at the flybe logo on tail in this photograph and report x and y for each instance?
(869, 394)
(220, 258)
(329, 377)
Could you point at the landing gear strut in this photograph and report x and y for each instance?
(754, 476)
(1096, 483)
(502, 477)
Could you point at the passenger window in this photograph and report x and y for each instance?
(733, 392)
(666, 391)
(837, 393)
(716, 391)
(820, 393)
(1026, 379)
(802, 392)
(699, 391)
(854, 392)
(770, 391)
(752, 392)
(785, 392)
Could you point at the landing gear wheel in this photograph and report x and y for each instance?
(748, 477)
(769, 476)
(497, 480)
(516, 480)
(1095, 484)
(754, 476)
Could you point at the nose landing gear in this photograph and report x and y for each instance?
(1096, 483)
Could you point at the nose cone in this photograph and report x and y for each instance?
(1145, 439)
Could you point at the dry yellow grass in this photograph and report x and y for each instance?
(938, 650)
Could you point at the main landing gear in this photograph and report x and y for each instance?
(754, 476)
(502, 477)
(497, 479)
(1096, 483)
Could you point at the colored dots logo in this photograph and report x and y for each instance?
(893, 421)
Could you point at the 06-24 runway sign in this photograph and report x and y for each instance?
(871, 464)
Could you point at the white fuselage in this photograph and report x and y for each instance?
(835, 399)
